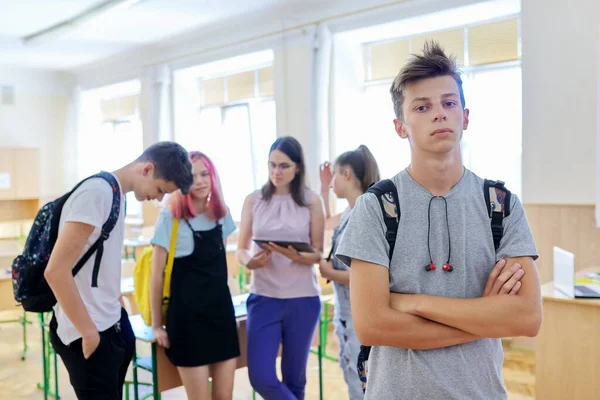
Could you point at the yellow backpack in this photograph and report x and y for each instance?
(141, 278)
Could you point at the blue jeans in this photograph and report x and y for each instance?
(292, 323)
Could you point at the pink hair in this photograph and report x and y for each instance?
(182, 206)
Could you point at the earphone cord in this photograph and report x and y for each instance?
(429, 229)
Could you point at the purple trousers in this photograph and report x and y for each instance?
(290, 322)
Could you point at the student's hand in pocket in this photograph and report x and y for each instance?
(259, 260)
(89, 344)
(161, 336)
(504, 279)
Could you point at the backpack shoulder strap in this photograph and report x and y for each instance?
(387, 195)
(116, 203)
(107, 227)
(497, 200)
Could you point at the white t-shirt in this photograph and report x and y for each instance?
(91, 204)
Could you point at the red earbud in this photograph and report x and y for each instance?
(430, 267)
(447, 267)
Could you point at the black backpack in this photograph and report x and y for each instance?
(29, 285)
(496, 197)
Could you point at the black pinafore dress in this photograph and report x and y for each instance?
(200, 319)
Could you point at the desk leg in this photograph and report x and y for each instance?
(24, 323)
(45, 365)
(323, 333)
(136, 394)
(320, 373)
(324, 321)
(242, 279)
(56, 395)
(126, 253)
(48, 354)
(155, 390)
(320, 355)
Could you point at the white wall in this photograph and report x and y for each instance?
(294, 57)
(560, 100)
(560, 81)
(38, 119)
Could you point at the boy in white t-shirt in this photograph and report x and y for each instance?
(90, 330)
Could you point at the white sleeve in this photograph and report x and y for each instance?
(90, 203)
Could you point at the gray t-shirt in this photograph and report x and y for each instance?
(467, 371)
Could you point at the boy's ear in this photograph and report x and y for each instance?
(148, 169)
(465, 118)
(400, 128)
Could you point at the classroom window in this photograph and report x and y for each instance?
(110, 134)
(492, 144)
(488, 54)
(225, 134)
(231, 118)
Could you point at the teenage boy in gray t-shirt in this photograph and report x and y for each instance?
(435, 331)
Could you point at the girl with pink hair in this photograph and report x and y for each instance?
(200, 336)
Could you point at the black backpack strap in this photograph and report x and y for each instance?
(497, 200)
(387, 195)
(107, 227)
(363, 357)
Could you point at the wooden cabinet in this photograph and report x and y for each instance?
(19, 195)
(19, 203)
(19, 174)
(7, 174)
(27, 173)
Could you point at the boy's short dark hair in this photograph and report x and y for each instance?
(431, 64)
(171, 163)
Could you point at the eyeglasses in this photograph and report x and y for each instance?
(282, 167)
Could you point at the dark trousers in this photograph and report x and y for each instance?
(102, 375)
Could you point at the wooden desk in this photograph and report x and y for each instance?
(567, 361)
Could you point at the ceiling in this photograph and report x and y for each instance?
(134, 24)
